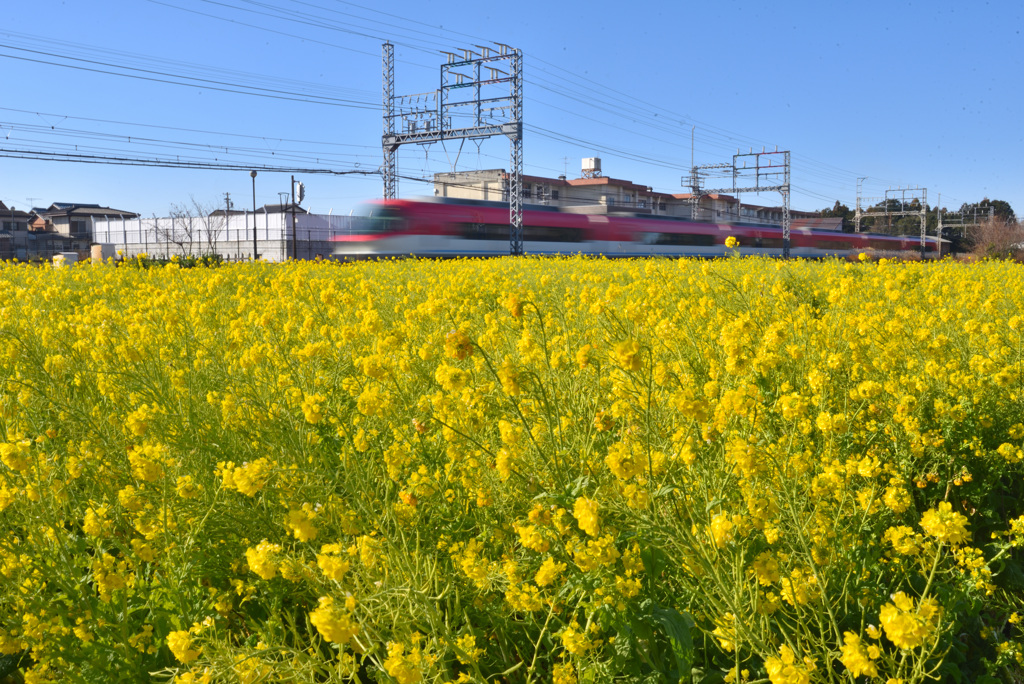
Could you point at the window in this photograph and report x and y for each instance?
(484, 231)
(501, 231)
(833, 244)
(527, 191)
(551, 234)
(687, 239)
(554, 194)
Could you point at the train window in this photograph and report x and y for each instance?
(833, 244)
(501, 231)
(688, 239)
(769, 243)
(372, 218)
(484, 231)
(551, 234)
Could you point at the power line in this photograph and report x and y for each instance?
(200, 82)
(169, 163)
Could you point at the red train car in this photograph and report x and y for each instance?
(447, 228)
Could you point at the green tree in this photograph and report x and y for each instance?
(839, 211)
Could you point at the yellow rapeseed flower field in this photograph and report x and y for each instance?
(512, 470)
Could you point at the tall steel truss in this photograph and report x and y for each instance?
(895, 203)
(427, 118)
(758, 177)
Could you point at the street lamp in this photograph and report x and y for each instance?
(254, 254)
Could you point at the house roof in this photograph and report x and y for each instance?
(72, 209)
(8, 212)
(279, 208)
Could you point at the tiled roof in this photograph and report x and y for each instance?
(67, 209)
(714, 196)
(64, 206)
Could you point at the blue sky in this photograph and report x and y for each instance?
(912, 94)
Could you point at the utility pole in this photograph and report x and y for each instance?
(857, 212)
(255, 252)
(227, 215)
(294, 255)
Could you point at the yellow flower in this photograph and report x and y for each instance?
(313, 408)
(907, 626)
(722, 529)
(300, 523)
(575, 640)
(470, 652)
(627, 355)
(563, 673)
(945, 525)
(263, 559)
(458, 345)
(187, 488)
(585, 512)
(532, 539)
(180, 643)
(856, 657)
(785, 669)
(334, 624)
(549, 572)
(903, 540)
(731, 242)
(331, 563)
(406, 668)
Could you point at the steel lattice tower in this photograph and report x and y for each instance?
(493, 113)
(390, 170)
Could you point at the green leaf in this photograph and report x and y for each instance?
(677, 627)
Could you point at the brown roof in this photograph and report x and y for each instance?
(714, 195)
(542, 179)
(8, 212)
(605, 180)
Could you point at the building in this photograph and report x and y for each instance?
(594, 193)
(74, 220)
(13, 223)
(228, 234)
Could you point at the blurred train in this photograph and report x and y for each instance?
(450, 228)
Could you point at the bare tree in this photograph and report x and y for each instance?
(998, 238)
(192, 227)
(211, 225)
(180, 229)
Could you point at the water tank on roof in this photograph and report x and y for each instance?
(591, 166)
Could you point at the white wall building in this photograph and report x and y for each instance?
(229, 236)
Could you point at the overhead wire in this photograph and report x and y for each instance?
(197, 82)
